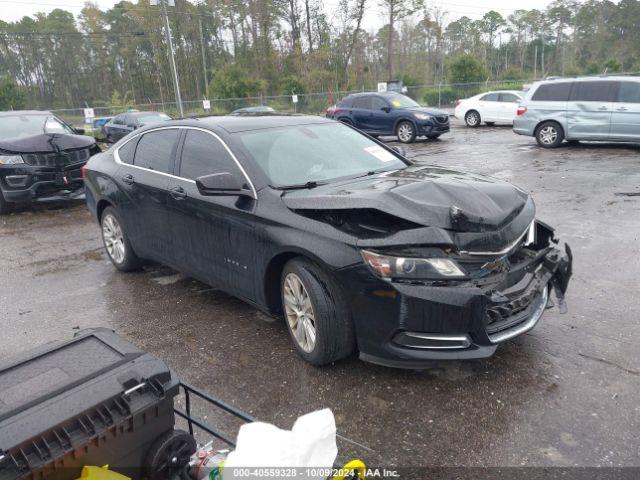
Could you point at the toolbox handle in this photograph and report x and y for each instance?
(134, 389)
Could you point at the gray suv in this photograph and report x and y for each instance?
(588, 108)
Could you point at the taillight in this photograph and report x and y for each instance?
(84, 174)
(521, 110)
(458, 102)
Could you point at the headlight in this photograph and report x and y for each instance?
(386, 266)
(422, 116)
(10, 159)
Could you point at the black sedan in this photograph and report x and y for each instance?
(125, 123)
(358, 248)
(41, 158)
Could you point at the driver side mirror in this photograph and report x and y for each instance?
(79, 131)
(386, 109)
(223, 183)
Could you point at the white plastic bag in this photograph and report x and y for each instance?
(262, 449)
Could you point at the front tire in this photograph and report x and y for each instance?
(472, 119)
(433, 137)
(316, 313)
(549, 135)
(116, 243)
(406, 132)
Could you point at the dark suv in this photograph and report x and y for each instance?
(41, 158)
(123, 124)
(390, 113)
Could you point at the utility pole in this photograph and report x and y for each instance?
(535, 63)
(167, 31)
(204, 61)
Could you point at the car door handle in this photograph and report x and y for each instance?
(622, 109)
(178, 193)
(128, 179)
(603, 108)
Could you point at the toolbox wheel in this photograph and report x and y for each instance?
(169, 455)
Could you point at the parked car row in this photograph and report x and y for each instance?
(603, 108)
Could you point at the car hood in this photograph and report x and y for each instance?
(473, 209)
(46, 143)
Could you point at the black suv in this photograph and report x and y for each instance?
(41, 158)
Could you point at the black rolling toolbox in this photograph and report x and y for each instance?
(93, 400)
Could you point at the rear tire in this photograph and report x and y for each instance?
(472, 119)
(406, 132)
(321, 328)
(116, 243)
(5, 207)
(549, 134)
(433, 137)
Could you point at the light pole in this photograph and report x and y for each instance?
(167, 31)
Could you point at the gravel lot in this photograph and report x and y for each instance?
(564, 394)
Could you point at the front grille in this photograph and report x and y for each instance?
(509, 314)
(57, 159)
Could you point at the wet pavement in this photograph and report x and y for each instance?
(564, 394)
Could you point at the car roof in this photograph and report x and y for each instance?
(591, 77)
(237, 123)
(10, 113)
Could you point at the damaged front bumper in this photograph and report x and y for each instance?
(410, 325)
(27, 183)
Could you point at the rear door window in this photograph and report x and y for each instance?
(509, 97)
(490, 97)
(127, 151)
(629, 92)
(362, 102)
(155, 150)
(593, 91)
(203, 154)
(552, 92)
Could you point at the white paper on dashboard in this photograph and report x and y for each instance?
(380, 153)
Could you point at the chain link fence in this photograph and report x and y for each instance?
(441, 95)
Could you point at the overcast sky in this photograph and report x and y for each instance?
(15, 9)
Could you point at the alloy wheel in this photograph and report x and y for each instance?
(473, 119)
(299, 312)
(405, 132)
(548, 135)
(113, 238)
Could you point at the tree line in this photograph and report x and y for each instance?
(239, 48)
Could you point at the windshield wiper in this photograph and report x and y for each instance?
(300, 186)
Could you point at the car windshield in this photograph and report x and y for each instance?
(402, 101)
(315, 153)
(16, 126)
(153, 117)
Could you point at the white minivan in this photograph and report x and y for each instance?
(489, 108)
